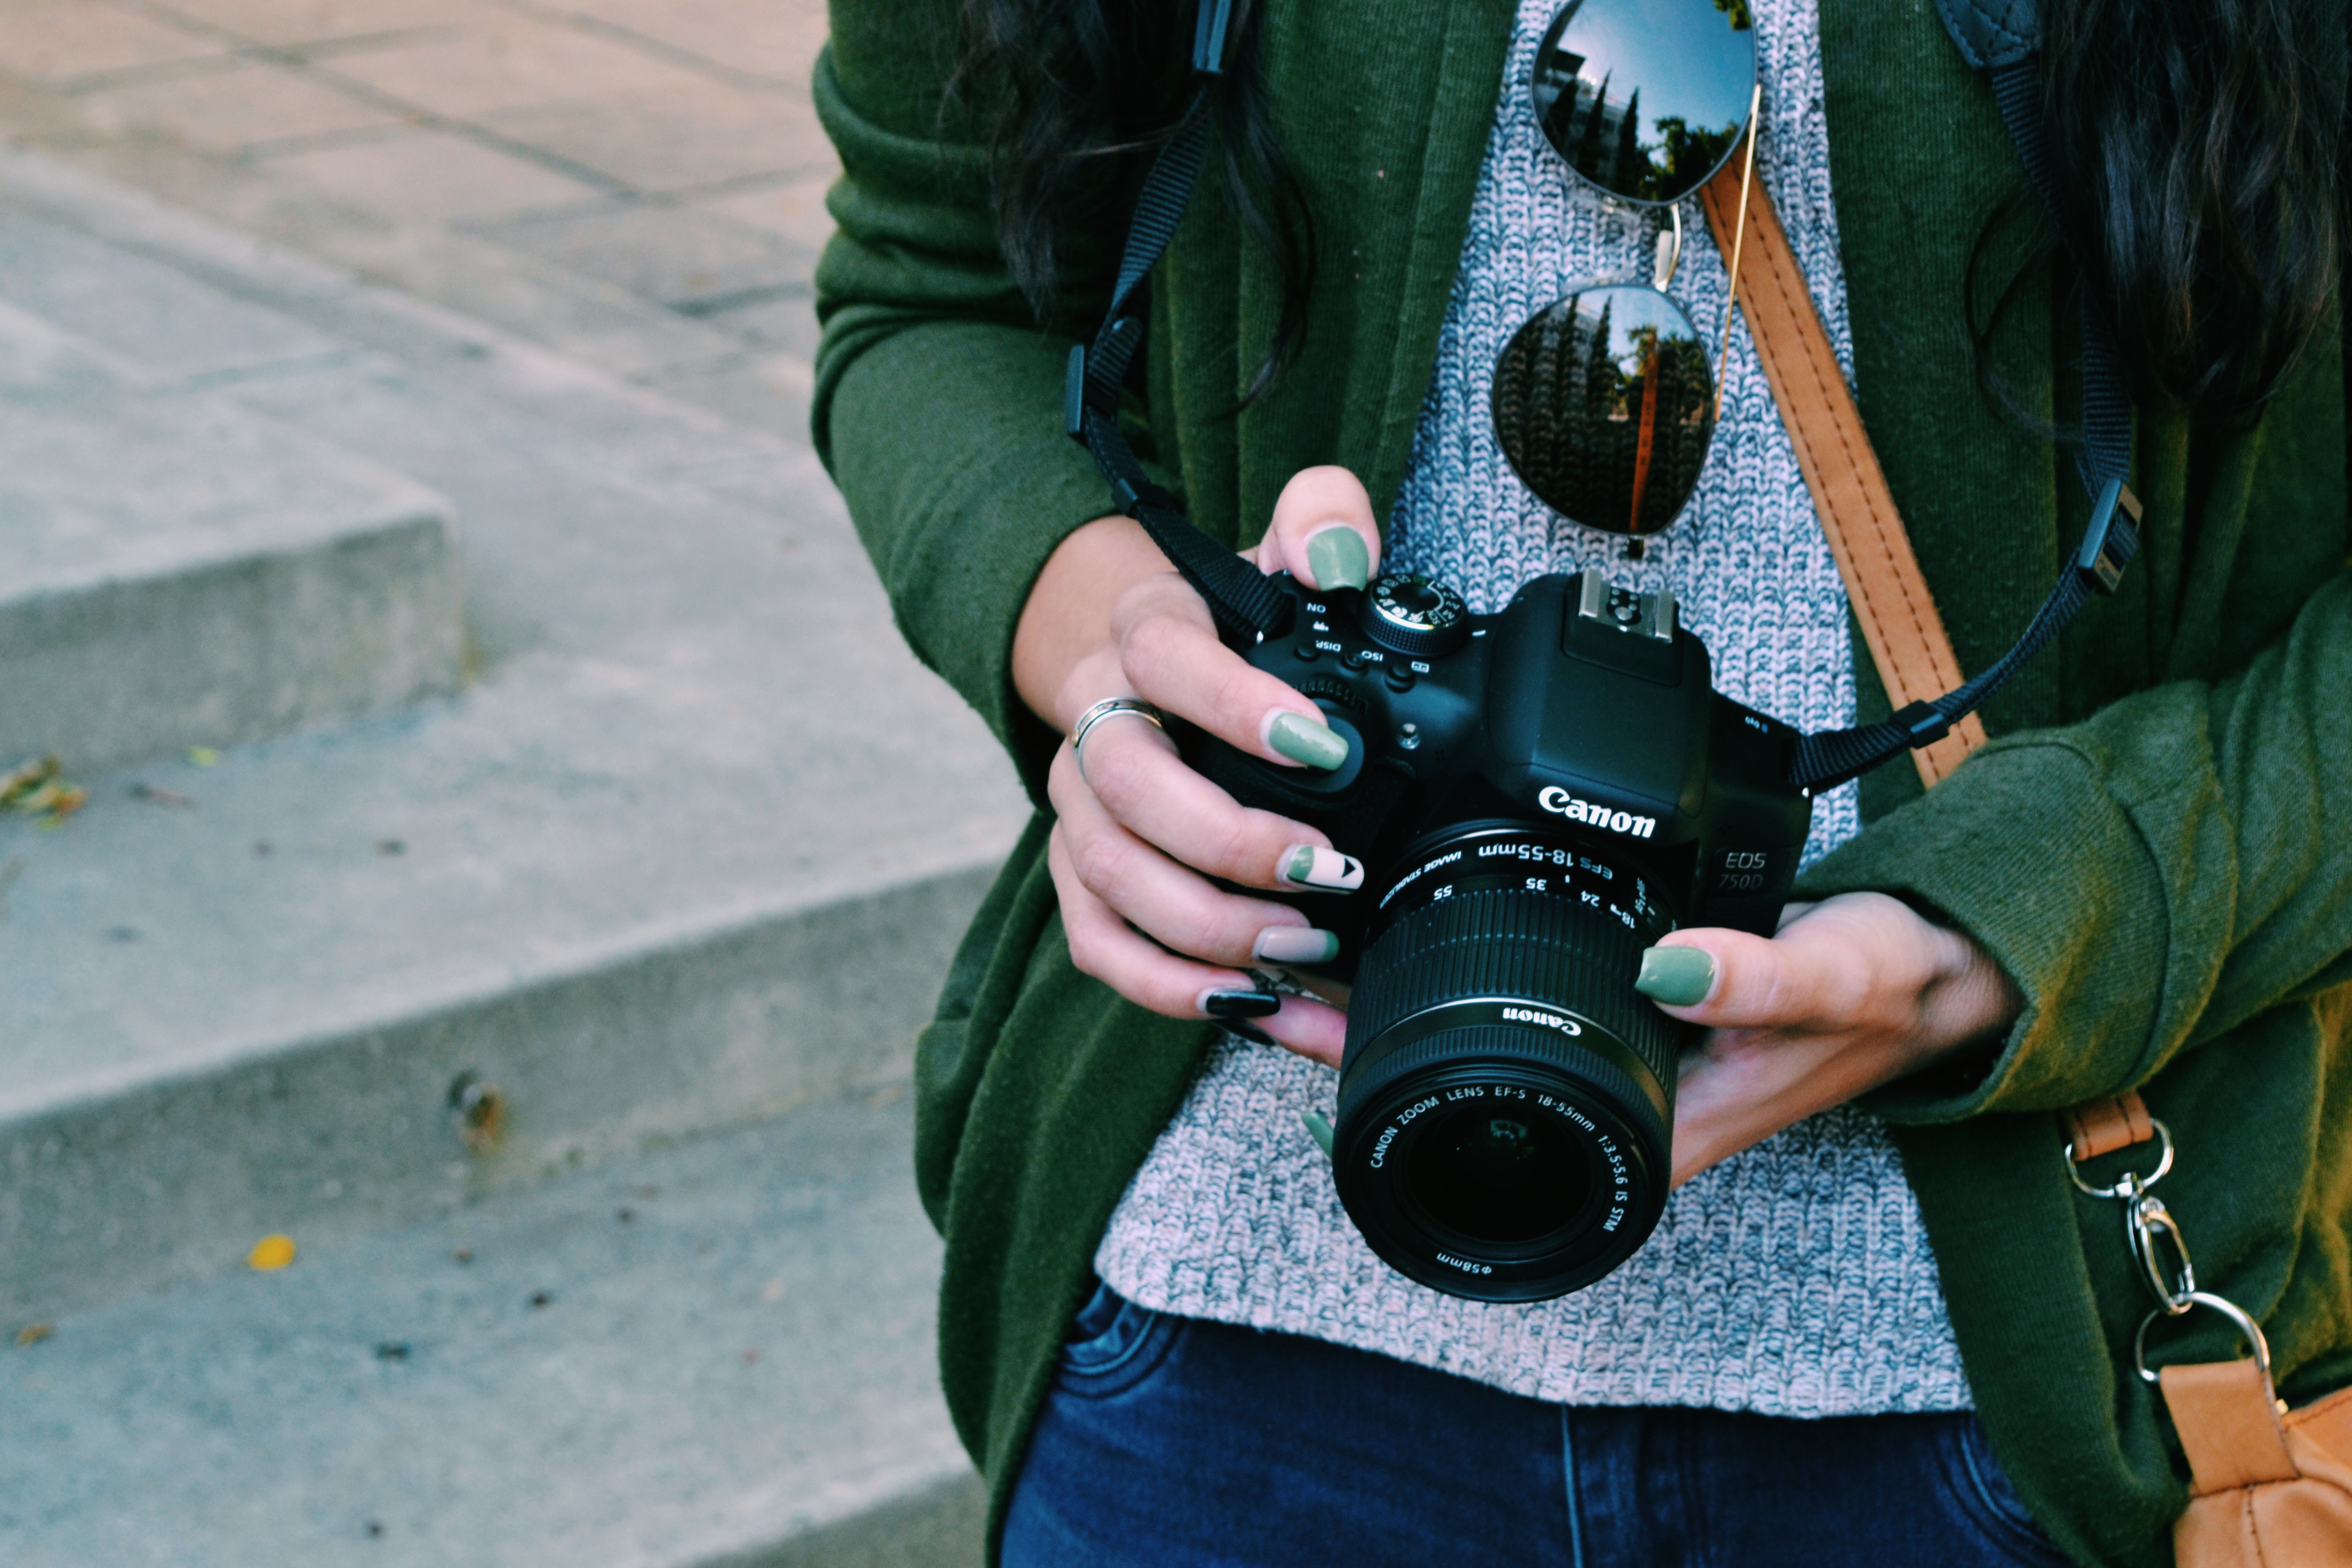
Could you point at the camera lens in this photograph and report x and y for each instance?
(1480, 1174)
(1506, 1098)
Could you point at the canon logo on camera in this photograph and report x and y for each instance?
(1560, 802)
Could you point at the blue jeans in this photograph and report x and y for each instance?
(1170, 1442)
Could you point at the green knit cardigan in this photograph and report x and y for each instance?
(2157, 845)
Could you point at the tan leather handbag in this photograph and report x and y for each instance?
(2269, 1488)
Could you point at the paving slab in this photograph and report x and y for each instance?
(367, 134)
(506, 61)
(62, 43)
(245, 105)
(425, 177)
(177, 572)
(671, 141)
(683, 258)
(291, 23)
(718, 1353)
(785, 321)
(691, 851)
(776, 39)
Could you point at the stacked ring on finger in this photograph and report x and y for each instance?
(1108, 708)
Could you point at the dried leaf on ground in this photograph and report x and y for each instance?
(39, 788)
(481, 1112)
(26, 776)
(34, 1333)
(270, 1253)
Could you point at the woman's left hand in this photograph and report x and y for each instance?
(1852, 993)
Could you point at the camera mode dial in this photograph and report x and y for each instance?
(1409, 614)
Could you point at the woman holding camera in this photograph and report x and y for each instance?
(1874, 1313)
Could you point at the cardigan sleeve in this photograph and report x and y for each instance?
(938, 399)
(2151, 877)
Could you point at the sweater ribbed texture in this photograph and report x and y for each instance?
(1794, 1278)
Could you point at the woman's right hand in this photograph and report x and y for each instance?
(1138, 835)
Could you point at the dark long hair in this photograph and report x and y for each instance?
(2196, 145)
(2198, 157)
(1072, 96)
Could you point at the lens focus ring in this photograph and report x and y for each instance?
(1506, 943)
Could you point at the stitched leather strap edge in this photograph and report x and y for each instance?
(2103, 1125)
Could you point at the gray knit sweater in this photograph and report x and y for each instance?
(1795, 1278)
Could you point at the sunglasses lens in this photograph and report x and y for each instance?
(1646, 97)
(1604, 407)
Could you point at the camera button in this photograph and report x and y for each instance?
(1306, 651)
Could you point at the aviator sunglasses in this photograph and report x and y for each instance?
(1604, 402)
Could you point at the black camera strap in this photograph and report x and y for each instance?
(1827, 759)
(1247, 607)
(2003, 38)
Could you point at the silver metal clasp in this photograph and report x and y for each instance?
(2153, 1234)
(2228, 1308)
(2152, 1228)
(2163, 1254)
(2131, 1185)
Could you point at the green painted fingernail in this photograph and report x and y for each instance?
(1318, 1130)
(1302, 739)
(1339, 558)
(1307, 865)
(1678, 976)
(1296, 944)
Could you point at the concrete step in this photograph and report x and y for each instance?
(719, 1353)
(175, 570)
(692, 850)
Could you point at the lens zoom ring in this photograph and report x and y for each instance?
(1512, 943)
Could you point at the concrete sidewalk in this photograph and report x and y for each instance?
(637, 183)
(561, 1006)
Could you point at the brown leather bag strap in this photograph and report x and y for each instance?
(2102, 1126)
(1883, 582)
(2229, 1424)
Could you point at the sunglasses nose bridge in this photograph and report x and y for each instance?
(1669, 250)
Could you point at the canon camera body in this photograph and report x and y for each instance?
(1531, 798)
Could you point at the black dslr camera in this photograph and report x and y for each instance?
(1534, 797)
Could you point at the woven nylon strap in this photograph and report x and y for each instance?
(2002, 38)
(1906, 636)
(1245, 604)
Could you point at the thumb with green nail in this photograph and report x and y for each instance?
(1850, 994)
(1322, 532)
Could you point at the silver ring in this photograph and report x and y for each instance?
(2227, 1307)
(1107, 708)
(2133, 1185)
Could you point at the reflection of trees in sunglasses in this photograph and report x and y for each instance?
(1607, 424)
(1600, 136)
